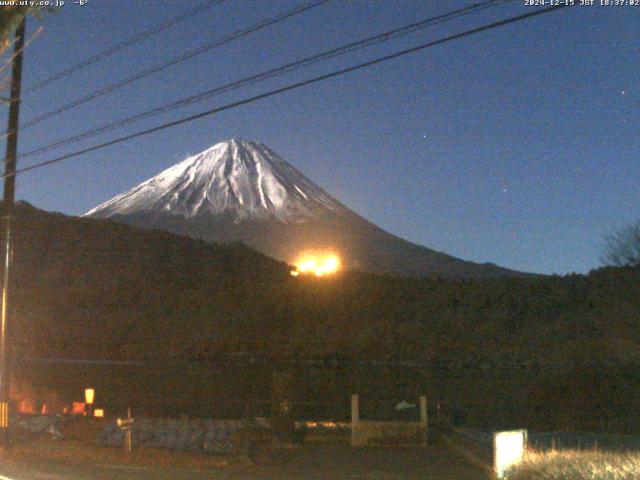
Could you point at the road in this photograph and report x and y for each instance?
(336, 461)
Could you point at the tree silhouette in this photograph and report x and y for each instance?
(622, 247)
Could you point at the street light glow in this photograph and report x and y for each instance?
(89, 394)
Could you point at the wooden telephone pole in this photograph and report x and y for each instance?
(7, 214)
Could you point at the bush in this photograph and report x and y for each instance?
(577, 465)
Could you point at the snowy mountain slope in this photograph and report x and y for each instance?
(241, 191)
(237, 177)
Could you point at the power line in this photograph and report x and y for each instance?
(175, 61)
(274, 72)
(293, 86)
(139, 37)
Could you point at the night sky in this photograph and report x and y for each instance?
(519, 146)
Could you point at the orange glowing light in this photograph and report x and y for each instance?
(26, 406)
(89, 395)
(317, 265)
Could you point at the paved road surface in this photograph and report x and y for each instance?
(334, 462)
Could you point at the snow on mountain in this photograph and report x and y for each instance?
(243, 178)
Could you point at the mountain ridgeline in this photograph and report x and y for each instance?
(242, 191)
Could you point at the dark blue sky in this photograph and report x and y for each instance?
(519, 146)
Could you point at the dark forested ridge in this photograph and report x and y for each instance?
(96, 289)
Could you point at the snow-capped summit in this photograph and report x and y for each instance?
(243, 179)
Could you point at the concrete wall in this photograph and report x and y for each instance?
(369, 433)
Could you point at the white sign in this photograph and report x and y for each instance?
(508, 450)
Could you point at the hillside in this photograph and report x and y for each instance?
(104, 289)
(97, 289)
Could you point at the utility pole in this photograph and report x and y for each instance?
(7, 214)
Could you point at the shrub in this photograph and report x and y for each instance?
(577, 465)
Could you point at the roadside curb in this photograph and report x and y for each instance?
(467, 450)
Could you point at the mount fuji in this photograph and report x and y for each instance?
(243, 191)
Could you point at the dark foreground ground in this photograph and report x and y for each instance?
(71, 461)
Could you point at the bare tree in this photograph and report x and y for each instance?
(622, 247)
(10, 18)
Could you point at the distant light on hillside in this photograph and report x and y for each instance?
(319, 266)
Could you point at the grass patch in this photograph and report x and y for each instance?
(577, 465)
